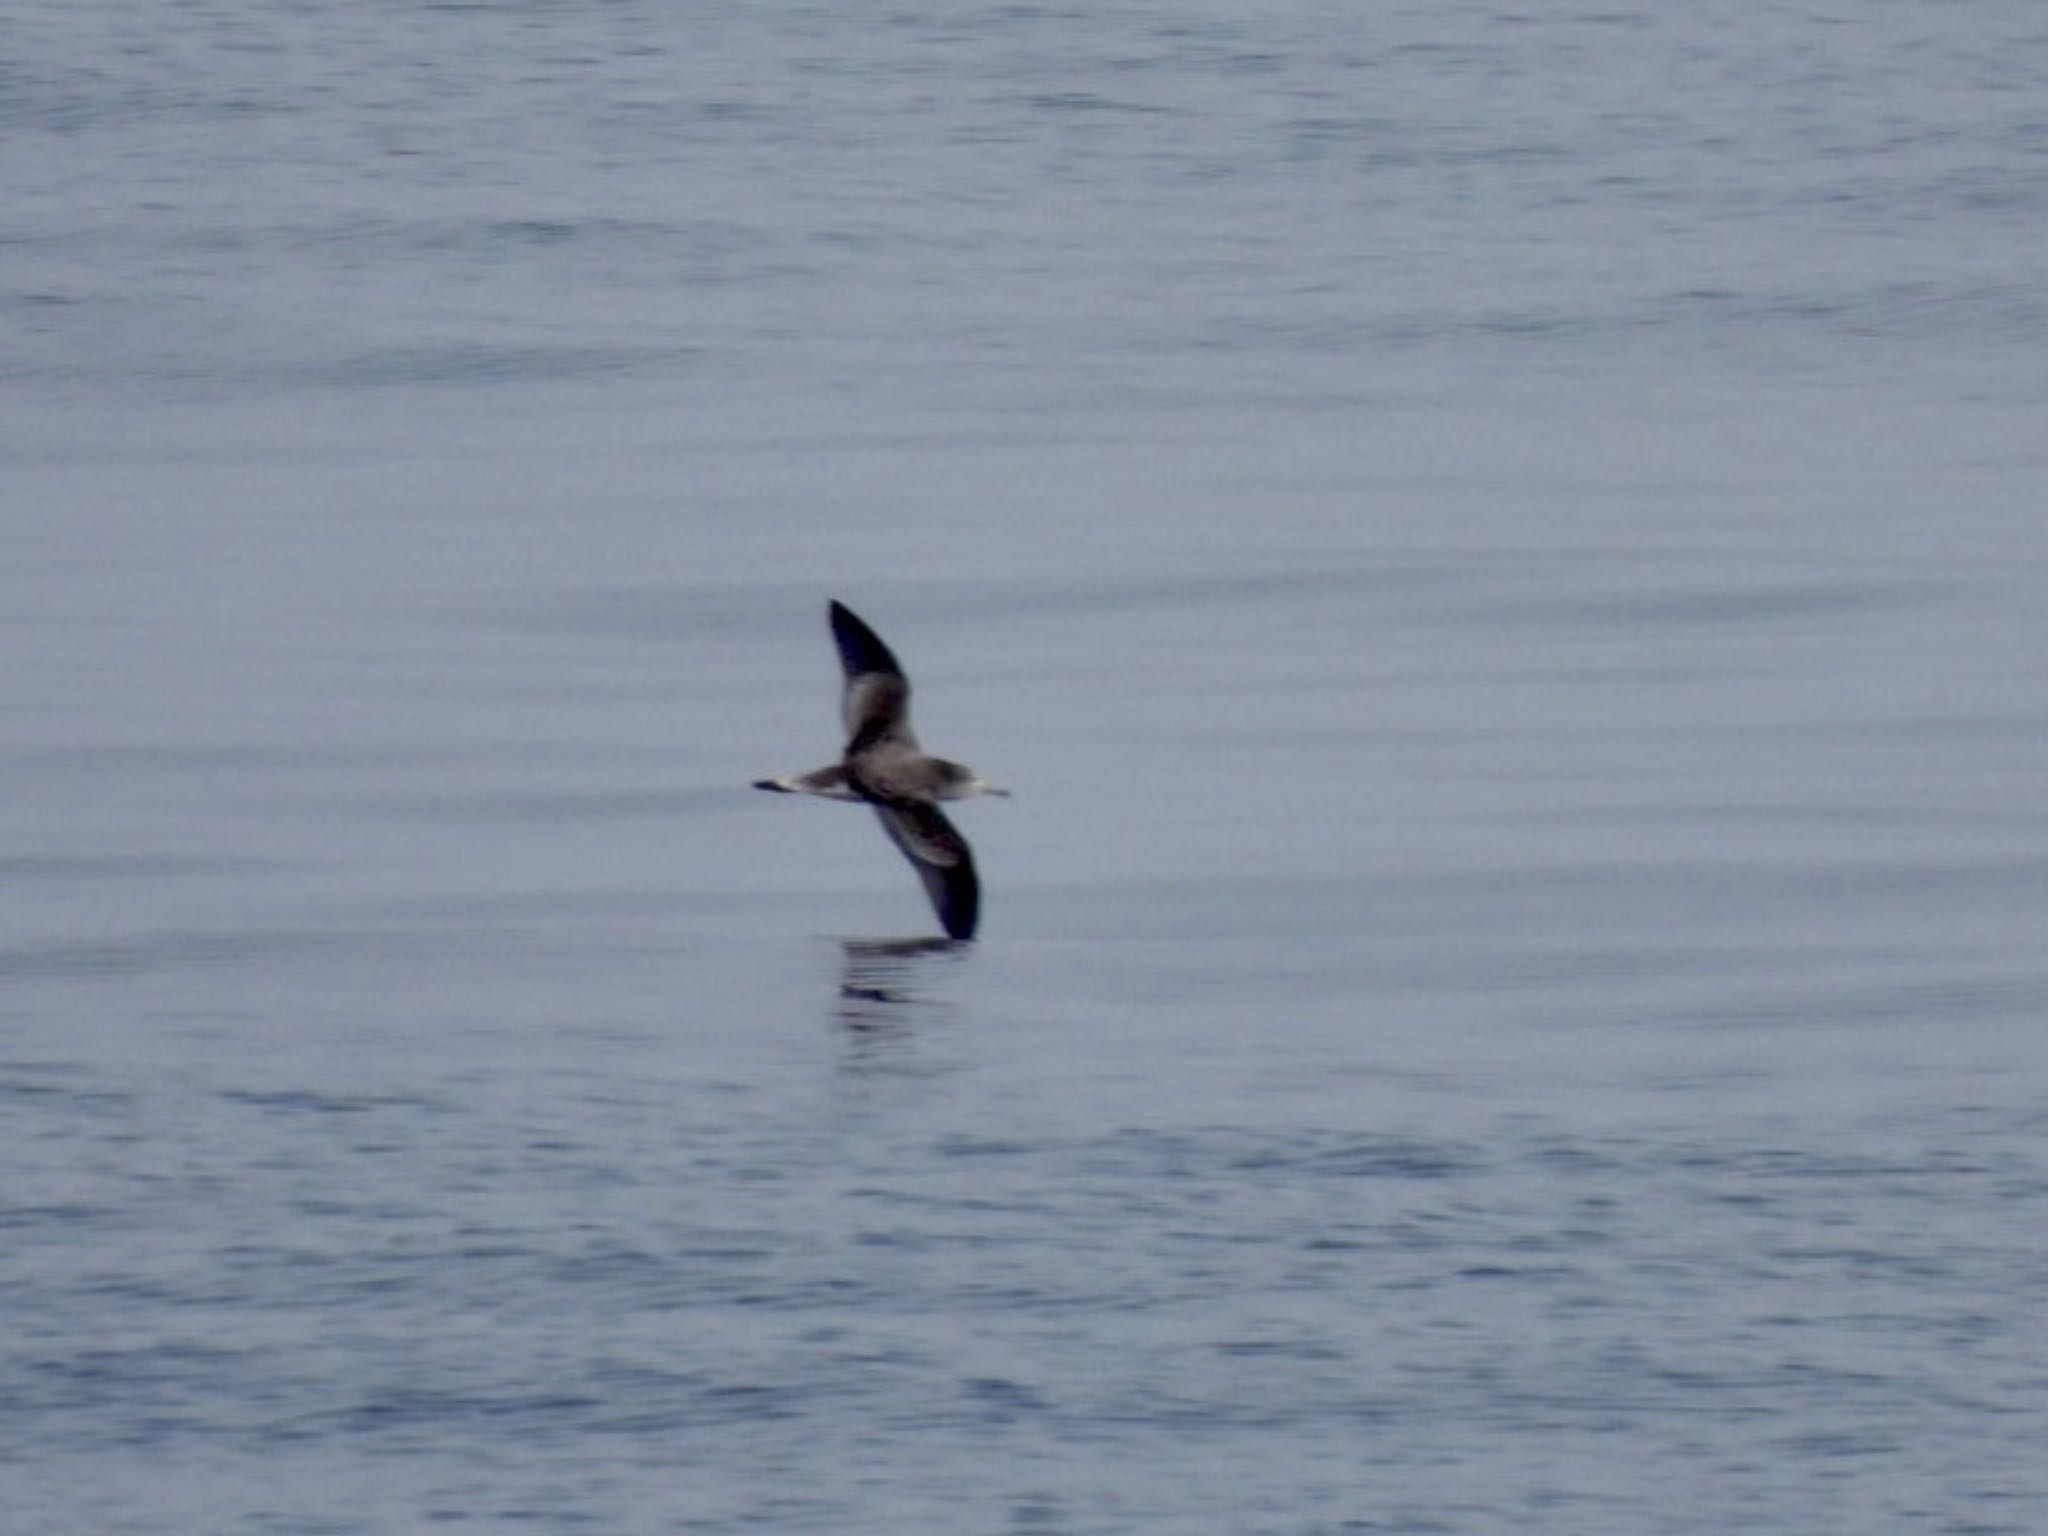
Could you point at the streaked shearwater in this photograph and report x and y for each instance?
(884, 766)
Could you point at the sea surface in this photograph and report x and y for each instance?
(1502, 550)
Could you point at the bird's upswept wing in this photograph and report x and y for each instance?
(876, 702)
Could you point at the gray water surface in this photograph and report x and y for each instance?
(1502, 553)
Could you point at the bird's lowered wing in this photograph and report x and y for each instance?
(941, 857)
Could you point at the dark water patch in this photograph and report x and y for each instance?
(239, 949)
(65, 1085)
(973, 1205)
(1231, 1153)
(1997, 313)
(1736, 604)
(1303, 1349)
(1756, 884)
(1069, 102)
(1934, 1003)
(649, 611)
(483, 365)
(673, 610)
(692, 250)
(1753, 812)
(415, 1415)
(56, 1216)
(2022, 727)
(459, 922)
(297, 1101)
(1351, 1156)
(1771, 1163)
(153, 954)
(557, 807)
(32, 870)
(967, 1146)
(121, 759)
(658, 1278)
(98, 1399)
(1002, 1398)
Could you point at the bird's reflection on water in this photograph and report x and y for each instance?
(880, 987)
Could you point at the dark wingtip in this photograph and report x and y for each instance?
(860, 648)
(961, 913)
(779, 789)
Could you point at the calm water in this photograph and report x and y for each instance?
(1503, 554)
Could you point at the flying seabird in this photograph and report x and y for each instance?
(884, 766)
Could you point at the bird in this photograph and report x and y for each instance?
(883, 766)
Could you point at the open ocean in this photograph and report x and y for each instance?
(1503, 552)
